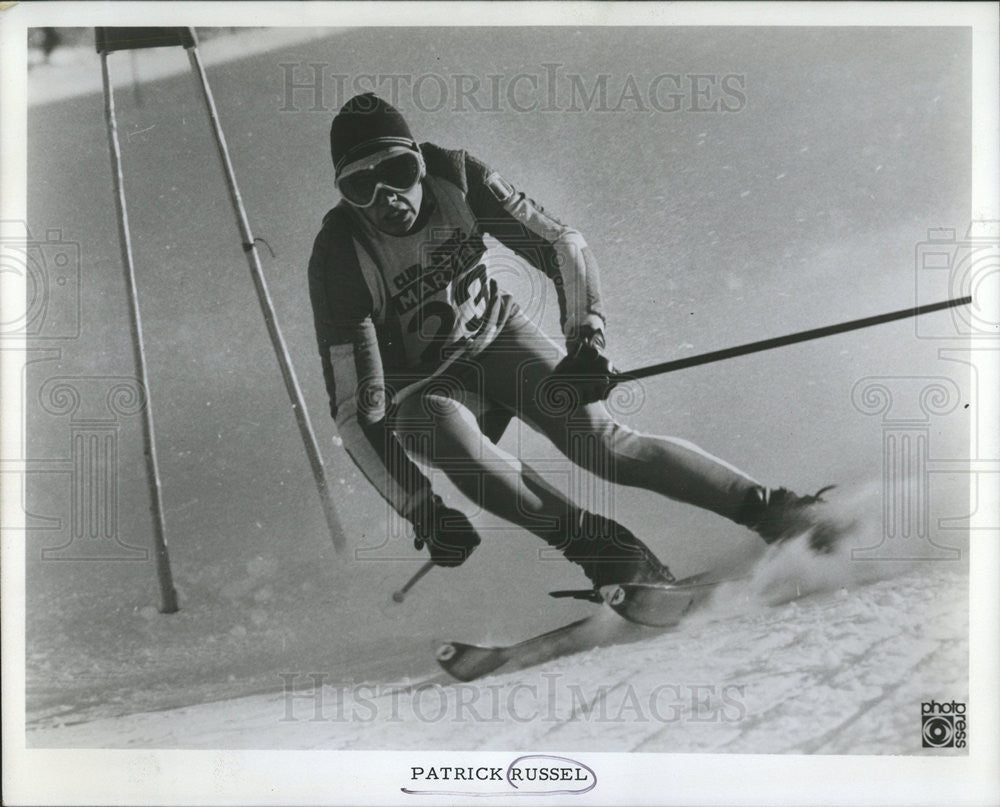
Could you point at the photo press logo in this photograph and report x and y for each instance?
(944, 725)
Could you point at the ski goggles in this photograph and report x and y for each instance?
(392, 170)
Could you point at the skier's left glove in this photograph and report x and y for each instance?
(587, 367)
(447, 533)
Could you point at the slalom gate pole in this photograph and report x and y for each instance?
(168, 595)
(267, 307)
(782, 341)
(399, 596)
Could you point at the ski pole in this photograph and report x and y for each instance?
(399, 596)
(781, 341)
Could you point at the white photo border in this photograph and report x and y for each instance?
(35, 776)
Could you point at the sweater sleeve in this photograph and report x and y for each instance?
(523, 225)
(352, 368)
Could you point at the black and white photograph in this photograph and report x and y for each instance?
(541, 402)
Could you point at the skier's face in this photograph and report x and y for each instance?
(386, 188)
(395, 212)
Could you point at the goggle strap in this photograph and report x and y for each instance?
(388, 141)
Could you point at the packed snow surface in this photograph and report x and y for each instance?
(842, 668)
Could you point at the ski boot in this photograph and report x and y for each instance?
(778, 514)
(608, 553)
(445, 531)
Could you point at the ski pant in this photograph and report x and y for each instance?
(442, 425)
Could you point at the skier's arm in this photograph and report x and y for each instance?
(556, 249)
(352, 370)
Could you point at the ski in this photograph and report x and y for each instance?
(595, 596)
(654, 605)
(467, 662)
(657, 605)
(645, 606)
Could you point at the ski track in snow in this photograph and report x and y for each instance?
(843, 669)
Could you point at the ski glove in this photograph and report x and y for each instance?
(587, 367)
(447, 533)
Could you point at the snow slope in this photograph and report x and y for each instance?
(841, 670)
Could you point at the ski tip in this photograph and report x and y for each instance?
(445, 651)
(614, 595)
(467, 662)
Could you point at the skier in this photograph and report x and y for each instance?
(424, 355)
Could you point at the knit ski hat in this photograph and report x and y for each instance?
(364, 125)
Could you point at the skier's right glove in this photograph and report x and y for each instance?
(587, 367)
(447, 533)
